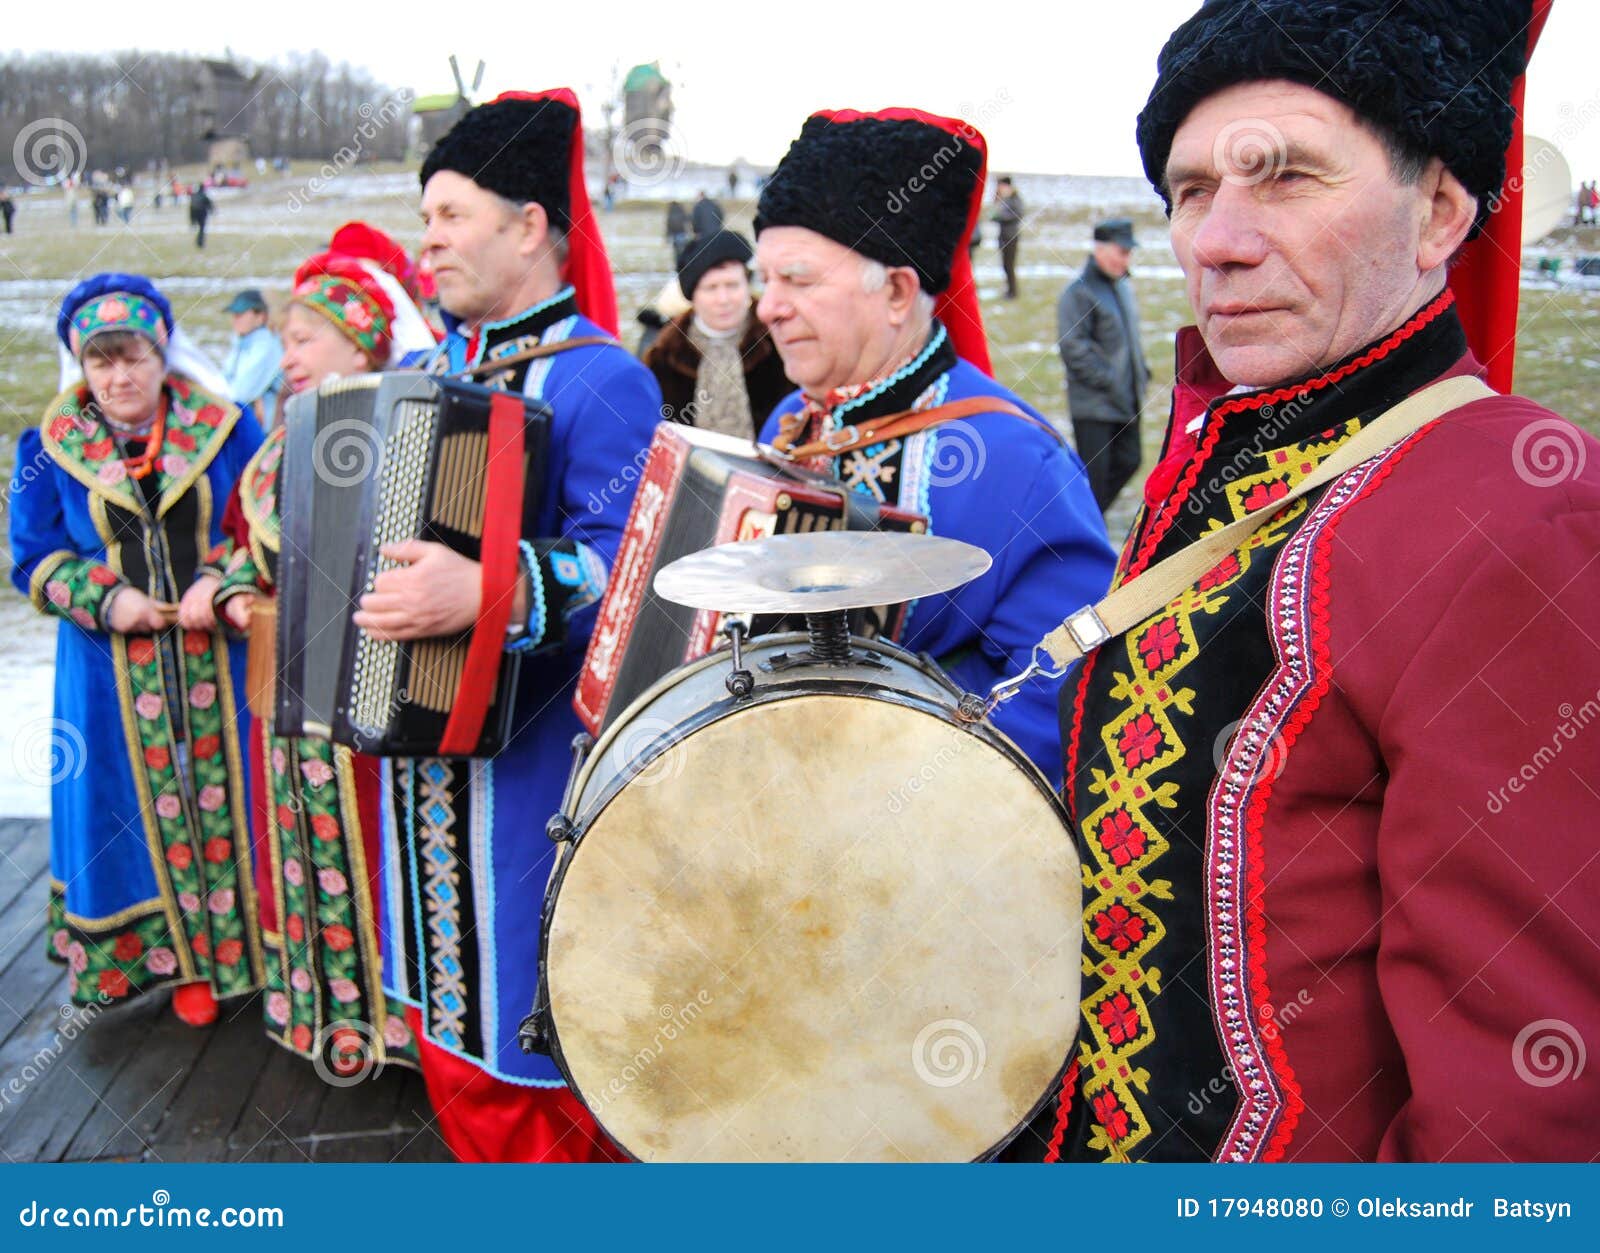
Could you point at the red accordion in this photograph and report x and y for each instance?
(698, 489)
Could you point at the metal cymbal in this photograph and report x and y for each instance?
(820, 572)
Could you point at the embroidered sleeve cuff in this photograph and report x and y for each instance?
(74, 588)
(564, 576)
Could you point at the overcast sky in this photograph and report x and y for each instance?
(1055, 88)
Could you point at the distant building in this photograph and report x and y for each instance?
(646, 110)
(226, 111)
(432, 116)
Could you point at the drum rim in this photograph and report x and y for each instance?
(725, 707)
(723, 653)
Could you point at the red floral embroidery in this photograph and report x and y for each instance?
(61, 428)
(296, 928)
(98, 449)
(157, 757)
(229, 952)
(113, 983)
(1265, 493)
(1160, 643)
(1119, 1018)
(181, 439)
(337, 937)
(196, 643)
(1139, 741)
(301, 1036)
(141, 650)
(1110, 1114)
(1121, 837)
(127, 947)
(206, 746)
(200, 944)
(1119, 926)
(218, 849)
(105, 576)
(286, 817)
(1222, 572)
(179, 855)
(325, 826)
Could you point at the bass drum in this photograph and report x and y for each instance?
(825, 922)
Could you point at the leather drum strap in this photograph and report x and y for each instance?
(537, 351)
(907, 422)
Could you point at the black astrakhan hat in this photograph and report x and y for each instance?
(1436, 75)
(705, 252)
(896, 186)
(519, 146)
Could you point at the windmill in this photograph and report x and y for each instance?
(438, 113)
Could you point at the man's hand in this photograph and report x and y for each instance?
(134, 613)
(194, 610)
(237, 610)
(434, 591)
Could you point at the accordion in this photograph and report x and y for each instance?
(375, 459)
(697, 489)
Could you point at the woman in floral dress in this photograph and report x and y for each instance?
(116, 497)
(316, 819)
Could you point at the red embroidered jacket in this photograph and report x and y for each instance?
(1339, 804)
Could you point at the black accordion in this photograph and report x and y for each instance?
(376, 459)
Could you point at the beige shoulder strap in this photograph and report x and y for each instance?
(1151, 591)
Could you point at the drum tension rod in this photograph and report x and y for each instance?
(741, 684)
(561, 828)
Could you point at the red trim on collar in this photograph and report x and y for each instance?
(1252, 401)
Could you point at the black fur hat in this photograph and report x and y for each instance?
(1436, 75)
(897, 187)
(704, 253)
(519, 146)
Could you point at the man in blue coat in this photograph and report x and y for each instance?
(519, 261)
(862, 241)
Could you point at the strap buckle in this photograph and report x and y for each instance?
(833, 441)
(1087, 629)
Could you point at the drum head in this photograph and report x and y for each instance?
(823, 928)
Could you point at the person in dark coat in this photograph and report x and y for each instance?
(677, 227)
(715, 361)
(200, 207)
(707, 216)
(1097, 328)
(1008, 212)
(8, 208)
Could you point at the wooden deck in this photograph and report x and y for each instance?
(138, 1085)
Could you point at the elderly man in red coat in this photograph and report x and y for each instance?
(1339, 802)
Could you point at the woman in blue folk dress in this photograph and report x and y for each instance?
(116, 500)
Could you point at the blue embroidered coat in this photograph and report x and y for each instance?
(465, 854)
(1006, 486)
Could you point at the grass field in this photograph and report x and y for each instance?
(261, 233)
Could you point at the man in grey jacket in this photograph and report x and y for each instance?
(1097, 325)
